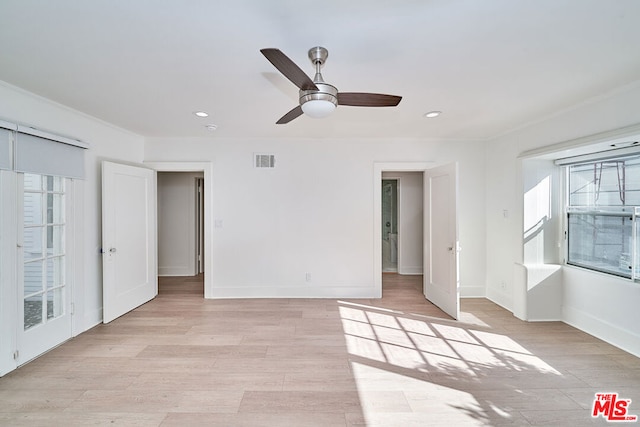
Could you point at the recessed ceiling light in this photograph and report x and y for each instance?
(211, 127)
(432, 114)
(201, 114)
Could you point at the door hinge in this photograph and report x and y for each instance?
(16, 354)
(73, 309)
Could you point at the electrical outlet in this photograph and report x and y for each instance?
(307, 277)
(503, 285)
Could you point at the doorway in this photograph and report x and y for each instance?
(206, 170)
(402, 217)
(45, 252)
(141, 189)
(180, 223)
(439, 233)
(389, 225)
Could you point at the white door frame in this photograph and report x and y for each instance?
(207, 169)
(378, 168)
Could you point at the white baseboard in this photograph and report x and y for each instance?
(315, 291)
(92, 318)
(175, 271)
(410, 271)
(503, 300)
(612, 334)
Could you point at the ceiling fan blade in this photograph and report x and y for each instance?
(290, 115)
(289, 69)
(362, 99)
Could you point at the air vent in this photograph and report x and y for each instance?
(265, 161)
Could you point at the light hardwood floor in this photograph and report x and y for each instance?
(180, 360)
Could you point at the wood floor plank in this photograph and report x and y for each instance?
(202, 351)
(337, 402)
(70, 419)
(208, 381)
(304, 419)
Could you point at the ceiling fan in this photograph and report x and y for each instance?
(317, 98)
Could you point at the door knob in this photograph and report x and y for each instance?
(112, 250)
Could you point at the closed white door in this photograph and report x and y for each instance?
(129, 238)
(44, 259)
(441, 282)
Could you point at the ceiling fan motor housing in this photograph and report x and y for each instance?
(325, 92)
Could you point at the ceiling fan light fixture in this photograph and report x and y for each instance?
(432, 114)
(201, 114)
(318, 108)
(319, 103)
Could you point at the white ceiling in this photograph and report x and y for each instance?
(490, 65)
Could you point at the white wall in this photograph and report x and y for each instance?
(542, 213)
(314, 212)
(106, 143)
(505, 182)
(177, 223)
(410, 221)
(604, 306)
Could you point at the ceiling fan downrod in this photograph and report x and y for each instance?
(318, 56)
(326, 92)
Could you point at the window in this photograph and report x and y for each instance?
(603, 214)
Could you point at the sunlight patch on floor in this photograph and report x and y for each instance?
(406, 366)
(433, 346)
(411, 399)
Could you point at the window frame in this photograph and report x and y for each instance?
(632, 250)
(622, 211)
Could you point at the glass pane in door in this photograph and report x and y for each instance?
(32, 209)
(33, 273)
(32, 242)
(55, 303)
(32, 311)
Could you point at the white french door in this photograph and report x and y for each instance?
(44, 260)
(129, 236)
(441, 281)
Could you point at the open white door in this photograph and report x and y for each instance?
(441, 283)
(129, 241)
